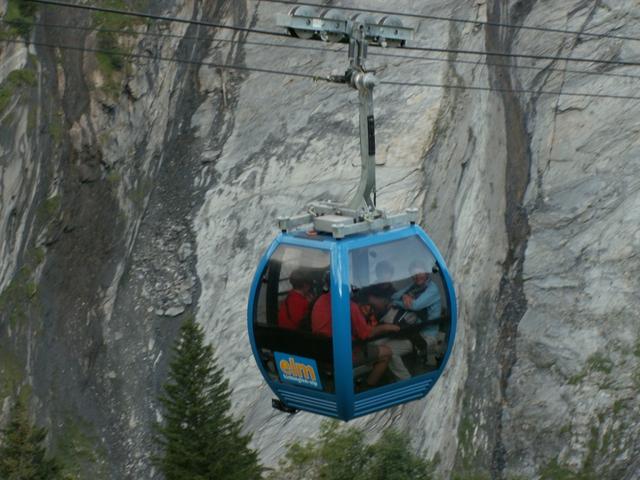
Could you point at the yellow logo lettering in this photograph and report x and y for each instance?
(296, 369)
(300, 371)
(309, 373)
(285, 367)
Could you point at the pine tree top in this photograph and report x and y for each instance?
(198, 435)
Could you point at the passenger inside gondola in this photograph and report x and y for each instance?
(421, 296)
(415, 308)
(378, 355)
(294, 312)
(374, 299)
(384, 276)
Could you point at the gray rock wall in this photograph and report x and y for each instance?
(133, 198)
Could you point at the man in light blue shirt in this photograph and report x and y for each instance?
(422, 297)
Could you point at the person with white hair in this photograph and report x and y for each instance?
(422, 296)
(422, 299)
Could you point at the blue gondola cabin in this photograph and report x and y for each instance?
(344, 327)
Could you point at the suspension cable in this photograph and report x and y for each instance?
(319, 78)
(282, 34)
(319, 49)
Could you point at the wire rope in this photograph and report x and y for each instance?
(168, 59)
(320, 78)
(282, 34)
(523, 55)
(320, 49)
(510, 90)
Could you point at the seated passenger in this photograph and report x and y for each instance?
(294, 311)
(384, 275)
(379, 355)
(372, 304)
(375, 298)
(378, 296)
(422, 296)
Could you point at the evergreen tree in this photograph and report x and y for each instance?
(22, 454)
(199, 438)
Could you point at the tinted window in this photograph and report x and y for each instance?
(293, 282)
(398, 290)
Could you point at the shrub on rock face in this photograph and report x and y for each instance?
(198, 437)
(19, 18)
(393, 458)
(342, 454)
(22, 454)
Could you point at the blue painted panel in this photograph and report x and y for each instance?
(360, 241)
(325, 244)
(385, 389)
(311, 403)
(402, 393)
(341, 326)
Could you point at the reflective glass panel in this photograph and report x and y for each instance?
(294, 284)
(399, 312)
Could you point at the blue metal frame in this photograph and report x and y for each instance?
(345, 404)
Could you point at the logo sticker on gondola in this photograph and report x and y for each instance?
(298, 370)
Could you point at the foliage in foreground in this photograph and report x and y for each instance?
(199, 438)
(342, 454)
(22, 454)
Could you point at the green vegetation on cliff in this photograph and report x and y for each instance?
(17, 298)
(198, 436)
(111, 60)
(19, 17)
(78, 450)
(22, 453)
(15, 81)
(11, 374)
(20, 299)
(342, 454)
(111, 40)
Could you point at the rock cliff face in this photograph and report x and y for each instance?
(137, 191)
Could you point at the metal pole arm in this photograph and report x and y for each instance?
(365, 196)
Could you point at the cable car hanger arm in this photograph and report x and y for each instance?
(360, 213)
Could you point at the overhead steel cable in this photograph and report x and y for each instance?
(517, 67)
(170, 35)
(282, 34)
(224, 66)
(319, 49)
(168, 59)
(524, 55)
(510, 90)
(458, 20)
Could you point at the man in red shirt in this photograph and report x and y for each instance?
(380, 355)
(295, 308)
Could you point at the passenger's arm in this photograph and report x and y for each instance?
(426, 299)
(384, 328)
(396, 298)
